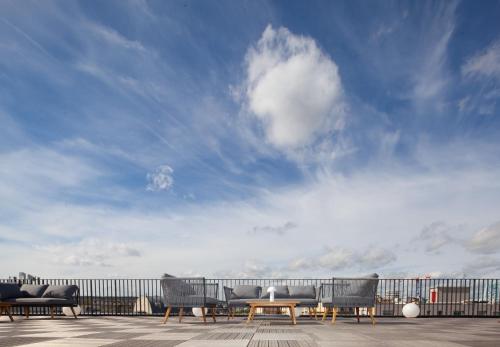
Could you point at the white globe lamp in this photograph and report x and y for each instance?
(411, 310)
(67, 311)
(197, 312)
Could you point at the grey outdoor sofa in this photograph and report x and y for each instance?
(350, 293)
(307, 296)
(38, 295)
(188, 293)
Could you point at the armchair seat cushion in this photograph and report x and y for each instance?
(349, 301)
(193, 301)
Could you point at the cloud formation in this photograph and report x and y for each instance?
(160, 179)
(486, 240)
(342, 258)
(293, 87)
(435, 236)
(485, 63)
(89, 252)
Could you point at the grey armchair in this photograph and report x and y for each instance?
(350, 293)
(189, 292)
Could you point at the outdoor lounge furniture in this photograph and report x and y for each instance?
(188, 293)
(35, 295)
(240, 295)
(262, 303)
(350, 293)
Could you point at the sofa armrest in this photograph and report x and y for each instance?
(227, 293)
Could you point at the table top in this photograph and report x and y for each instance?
(275, 303)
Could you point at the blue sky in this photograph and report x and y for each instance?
(249, 138)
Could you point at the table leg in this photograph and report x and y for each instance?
(250, 314)
(292, 314)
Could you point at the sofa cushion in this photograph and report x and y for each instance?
(245, 292)
(61, 292)
(307, 302)
(33, 290)
(9, 290)
(41, 301)
(280, 293)
(302, 292)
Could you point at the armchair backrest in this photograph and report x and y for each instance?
(177, 291)
(364, 287)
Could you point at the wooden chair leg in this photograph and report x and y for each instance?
(7, 311)
(372, 314)
(325, 313)
(73, 311)
(51, 312)
(228, 313)
(250, 314)
(334, 315)
(27, 312)
(315, 311)
(181, 311)
(213, 315)
(357, 314)
(203, 315)
(167, 313)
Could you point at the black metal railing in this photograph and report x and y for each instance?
(435, 297)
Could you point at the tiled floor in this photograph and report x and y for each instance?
(148, 331)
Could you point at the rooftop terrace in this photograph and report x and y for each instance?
(148, 331)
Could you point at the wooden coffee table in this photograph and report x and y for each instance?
(5, 307)
(254, 304)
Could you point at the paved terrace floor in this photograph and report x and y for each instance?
(148, 331)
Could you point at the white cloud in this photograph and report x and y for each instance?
(336, 258)
(486, 240)
(484, 64)
(435, 236)
(432, 77)
(160, 179)
(339, 258)
(293, 88)
(113, 37)
(88, 252)
(482, 267)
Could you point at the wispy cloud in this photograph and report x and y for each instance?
(486, 240)
(485, 63)
(277, 230)
(160, 179)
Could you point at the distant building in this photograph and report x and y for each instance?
(449, 294)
